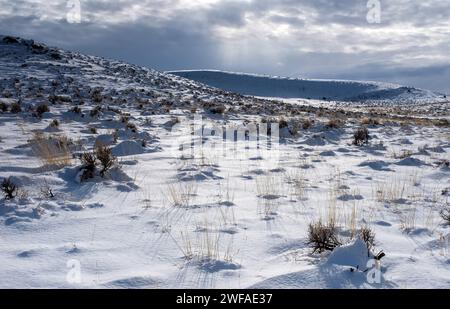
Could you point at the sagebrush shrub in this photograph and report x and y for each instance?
(106, 158)
(54, 123)
(9, 188)
(76, 110)
(43, 108)
(15, 108)
(361, 136)
(3, 107)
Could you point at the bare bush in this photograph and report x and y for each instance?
(361, 136)
(322, 237)
(368, 236)
(9, 188)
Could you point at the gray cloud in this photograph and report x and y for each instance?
(308, 38)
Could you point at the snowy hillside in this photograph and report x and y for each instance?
(118, 176)
(336, 90)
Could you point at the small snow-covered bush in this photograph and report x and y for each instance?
(361, 136)
(322, 237)
(9, 188)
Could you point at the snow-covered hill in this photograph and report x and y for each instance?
(232, 213)
(336, 90)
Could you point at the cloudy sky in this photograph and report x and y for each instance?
(297, 38)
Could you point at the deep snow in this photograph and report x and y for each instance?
(234, 219)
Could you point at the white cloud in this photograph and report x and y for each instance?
(314, 38)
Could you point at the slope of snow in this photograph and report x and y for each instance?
(220, 219)
(288, 88)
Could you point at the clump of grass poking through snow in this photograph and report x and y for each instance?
(445, 214)
(322, 237)
(53, 150)
(9, 188)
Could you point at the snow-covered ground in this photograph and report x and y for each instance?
(312, 89)
(213, 214)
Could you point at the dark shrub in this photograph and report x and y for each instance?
(15, 108)
(9, 188)
(88, 160)
(361, 136)
(3, 107)
(106, 158)
(43, 108)
(75, 109)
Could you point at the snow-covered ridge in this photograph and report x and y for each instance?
(336, 90)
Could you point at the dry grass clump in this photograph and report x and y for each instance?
(368, 236)
(335, 123)
(182, 194)
(52, 150)
(369, 121)
(445, 214)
